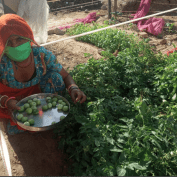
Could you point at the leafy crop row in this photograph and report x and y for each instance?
(128, 125)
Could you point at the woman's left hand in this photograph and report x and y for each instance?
(78, 95)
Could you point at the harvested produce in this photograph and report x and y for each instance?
(31, 121)
(27, 123)
(24, 119)
(45, 107)
(26, 105)
(65, 108)
(63, 103)
(60, 101)
(35, 99)
(20, 116)
(62, 117)
(22, 109)
(30, 101)
(38, 102)
(49, 105)
(29, 111)
(54, 104)
(54, 99)
(35, 111)
(33, 104)
(60, 106)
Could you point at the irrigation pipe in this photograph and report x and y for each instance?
(90, 3)
(5, 154)
(75, 7)
(112, 26)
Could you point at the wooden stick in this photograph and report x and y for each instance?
(109, 9)
(115, 7)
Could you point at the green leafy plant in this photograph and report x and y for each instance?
(127, 127)
(170, 27)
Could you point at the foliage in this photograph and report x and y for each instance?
(125, 128)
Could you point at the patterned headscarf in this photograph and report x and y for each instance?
(12, 24)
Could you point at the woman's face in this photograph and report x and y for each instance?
(15, 41)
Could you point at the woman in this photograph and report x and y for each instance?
(26, 69)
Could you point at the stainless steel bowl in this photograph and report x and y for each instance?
(44, 120)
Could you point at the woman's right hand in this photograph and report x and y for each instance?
(12, 105)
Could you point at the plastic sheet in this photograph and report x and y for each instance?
(36, 13)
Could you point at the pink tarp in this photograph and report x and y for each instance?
(152, 25)
(91, 17)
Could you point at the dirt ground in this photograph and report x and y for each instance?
(37, 154)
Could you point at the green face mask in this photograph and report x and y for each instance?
(19, 53)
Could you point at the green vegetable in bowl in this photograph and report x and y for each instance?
(30, 101)
(65, 108)
(49, 105)
(33, 104)
(24, 119)
(35, 111)
(45, 107)
(31, 121)
(38, 102)
(62, 117)
(49, 101)
(35, 99)
(60, 101)
(27, 123)
(20, 116)
(54, 104)
(54, 99)
(48, 98)
(26, 105)
(63, 103)
(33, 107)
(22, 109)
(60, 106)
(29, 111)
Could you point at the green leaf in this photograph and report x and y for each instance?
(116, 150)
(110, 140)
(136, 166)
(97, 142)
(174, 97)
(121, 171)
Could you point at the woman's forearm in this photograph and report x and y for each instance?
(68, 81)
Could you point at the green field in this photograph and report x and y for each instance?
(127, 127)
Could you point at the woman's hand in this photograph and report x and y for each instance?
(78, 95)
(11, 105)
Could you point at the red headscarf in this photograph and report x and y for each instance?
(11, 24)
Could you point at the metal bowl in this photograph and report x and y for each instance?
(44, 120)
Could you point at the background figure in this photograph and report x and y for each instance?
(35, 12)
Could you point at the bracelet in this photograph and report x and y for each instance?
(71, 86)
(1, 99)
(73, 89)
(8, 100)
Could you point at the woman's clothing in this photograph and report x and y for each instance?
(47, 72)
(46, 79)
(11, 24)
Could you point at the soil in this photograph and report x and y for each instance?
(38, 154)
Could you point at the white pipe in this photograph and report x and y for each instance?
(112, 26)
(5, 154)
